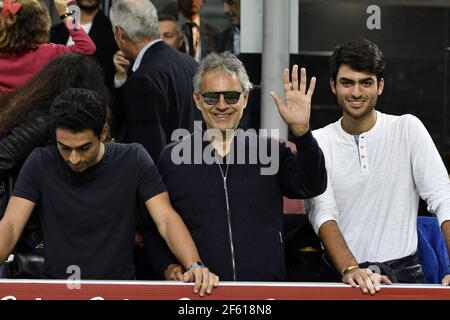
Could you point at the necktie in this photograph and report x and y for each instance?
(189, 33)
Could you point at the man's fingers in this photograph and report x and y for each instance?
(362, 284)
(209, 281)
(368, 281)
(446, 280)
(197, 279)
(312, 86)
(385, 279)
(352, 283)
(174, 272)
(376, 280)
(205, 282)
(212, 283)
(302, 80)
(119, 56)
(178, 275)
(187, 277)
(287, 83)
(294, 77)
(121, 60)
(216, 281)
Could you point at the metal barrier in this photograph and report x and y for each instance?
(159, 290)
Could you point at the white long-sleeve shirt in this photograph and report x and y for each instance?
(374, 184)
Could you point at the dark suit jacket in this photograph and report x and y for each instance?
(157, 98)
(225, 40)
(102, 35)
(208, 36)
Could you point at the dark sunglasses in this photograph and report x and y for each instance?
(231, 97)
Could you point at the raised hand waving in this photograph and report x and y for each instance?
(296, 108)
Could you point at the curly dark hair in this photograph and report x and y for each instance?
(79, 109)
(360, 55)
(25, 30)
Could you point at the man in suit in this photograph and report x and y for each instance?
(157, 98)
(171, 32)
(98, 26)
(230, 38)
(199, 37)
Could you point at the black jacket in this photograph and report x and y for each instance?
(102, 35)
(246, 243)
(157, 99)
(33, 131)
(225, 40)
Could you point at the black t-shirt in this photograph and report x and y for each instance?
(89, 218)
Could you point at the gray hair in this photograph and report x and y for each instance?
(222, 61)
(137, 18)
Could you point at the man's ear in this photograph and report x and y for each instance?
(106, 133)
(197, 98)
(380, 86)
(246, 95)
(333, 85)
(119, 34)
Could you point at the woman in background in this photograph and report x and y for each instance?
(24, 34)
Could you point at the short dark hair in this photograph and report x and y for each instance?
(360, 55)
(78, 109)
(167, 17)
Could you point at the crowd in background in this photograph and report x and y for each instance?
(147, 74)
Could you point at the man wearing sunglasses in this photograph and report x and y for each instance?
(232, 209)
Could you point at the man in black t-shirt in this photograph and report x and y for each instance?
(87, 193)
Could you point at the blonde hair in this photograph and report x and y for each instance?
(25, 30)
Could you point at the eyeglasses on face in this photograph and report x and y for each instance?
(231, 97)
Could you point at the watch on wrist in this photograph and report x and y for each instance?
(195, 265)
(66, 14)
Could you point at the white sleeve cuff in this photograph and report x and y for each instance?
(317, 221)
(443, 213)
(118, 83)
